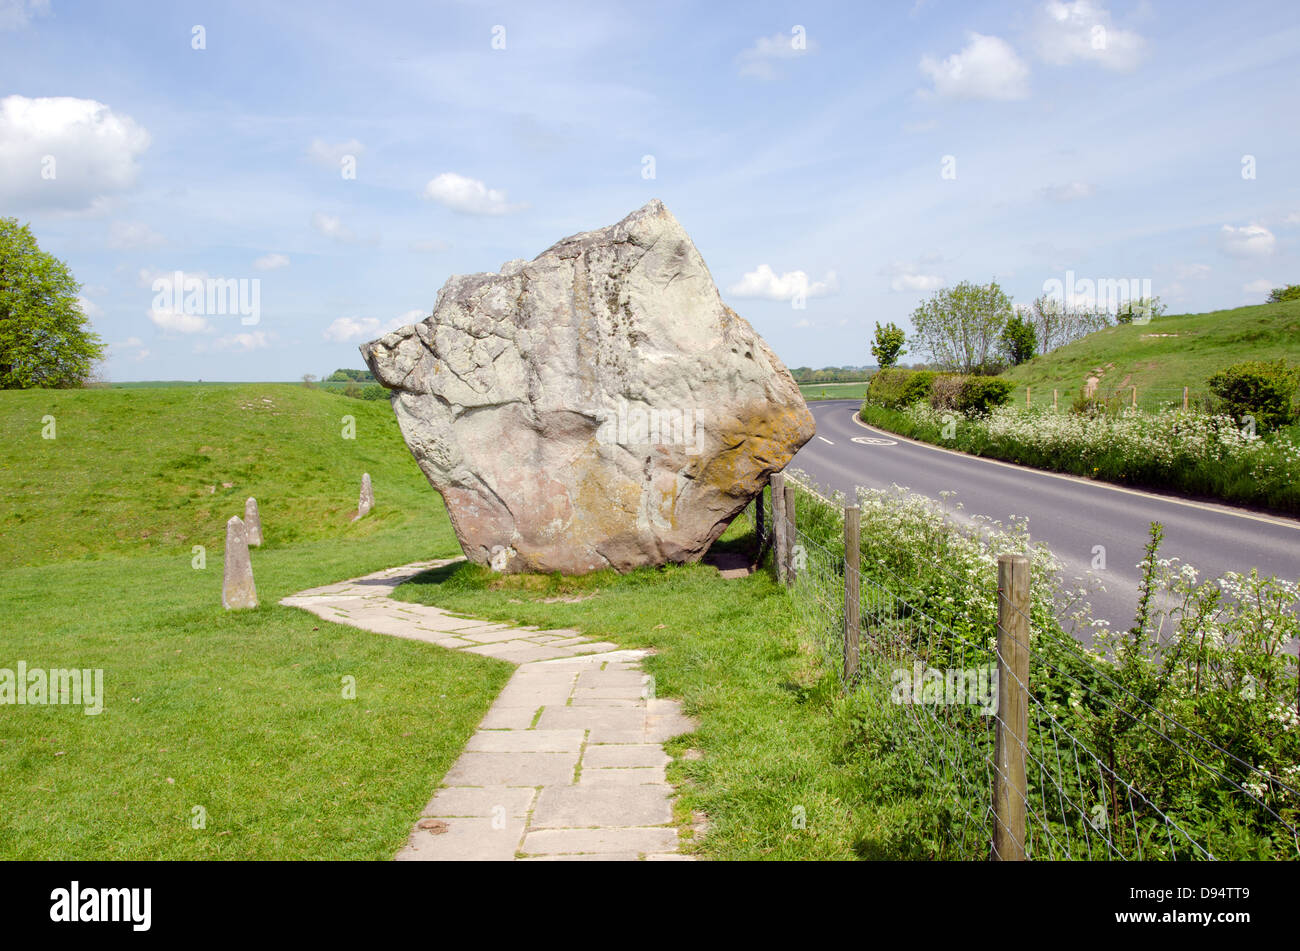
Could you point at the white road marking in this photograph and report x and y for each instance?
(1095, 483)
(825, 440)
(872, 441)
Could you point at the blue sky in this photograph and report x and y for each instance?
(848, 157)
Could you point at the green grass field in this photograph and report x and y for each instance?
(833, 391)
(239, 713)
(149, 470)
(1162, 357)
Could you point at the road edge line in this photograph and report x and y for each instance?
(1141, 493)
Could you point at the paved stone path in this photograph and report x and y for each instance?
(569, 761)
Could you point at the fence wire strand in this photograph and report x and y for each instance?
(1077, 800)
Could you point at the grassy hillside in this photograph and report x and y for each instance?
(1162, 357)
(148, 470)
(241, 713)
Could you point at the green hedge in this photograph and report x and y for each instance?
(897, 389)
(1258, 389)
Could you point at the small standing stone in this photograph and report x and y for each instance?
(237, 589)
(252, 522)
(367, 500)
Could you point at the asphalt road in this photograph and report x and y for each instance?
(1069, 515)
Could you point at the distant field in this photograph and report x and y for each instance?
(1162, 357)
(833, 391)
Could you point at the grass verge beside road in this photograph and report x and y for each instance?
(775, 733)
(1205, 460)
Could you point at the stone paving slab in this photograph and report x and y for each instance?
(567, 765)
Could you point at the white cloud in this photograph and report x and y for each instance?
(433, 244)
(468, 196)
(65, 154)
(915, 282)
(269, 262)
(1258, 287)
(986, 68)
(345, 329)
(1070, 192)
(16, 14)
(1248, 241)
(133, 235)
(332, 227)
(333, 153)
(122, 347)
(1292, 219)
(911, 277)
(1082, 31)
(244, 342)
(175, 322)
(147, 276)
(759, 61)
(766, 284)
(90, 308)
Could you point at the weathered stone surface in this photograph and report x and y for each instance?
(252, 522)
(597, 406)
(366, 500)
(237, 589)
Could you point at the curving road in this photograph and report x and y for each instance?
(1070, 515)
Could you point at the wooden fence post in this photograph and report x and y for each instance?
(791, 536)
(1135, 397)
(1184, 399)
(1053, 401)
(1026, 397)
(1010, 792)
(778, 524)
(852, 591)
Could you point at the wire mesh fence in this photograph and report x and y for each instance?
(1025, 742)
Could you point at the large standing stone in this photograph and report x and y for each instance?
(237, 588)
(252, 522)
(366, 500)
(597, 406)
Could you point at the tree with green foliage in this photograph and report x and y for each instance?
(1279, 294)
(958, 326)
(1142, 310)
(45, 339)
(1019, 343)
(888, 345)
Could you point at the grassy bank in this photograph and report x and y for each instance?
(1161, 357)
(154, 470)
(1205, 460)
(240, 714)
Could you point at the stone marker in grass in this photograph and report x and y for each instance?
(237, 588)
(367, 499)
(252, 522)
